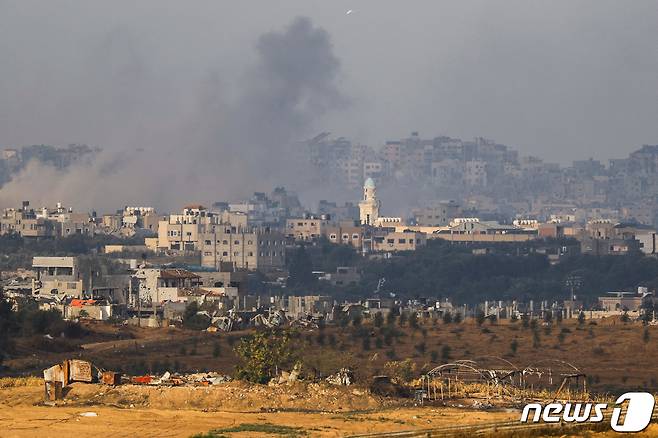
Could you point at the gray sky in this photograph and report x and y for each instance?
(561, 80)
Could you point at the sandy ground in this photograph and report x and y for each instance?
(113, 422)
(22, 414)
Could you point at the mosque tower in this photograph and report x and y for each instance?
(369, 206)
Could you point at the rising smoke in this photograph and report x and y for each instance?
(224, 142)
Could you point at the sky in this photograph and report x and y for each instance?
(200, 85)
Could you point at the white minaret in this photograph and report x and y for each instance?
(369, 206)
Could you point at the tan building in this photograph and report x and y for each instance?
(24, 221)
(345, 233)
(158, 285)
(261, 249)
(57, 276)
(183, 231)
(398, 241)
(306, 229)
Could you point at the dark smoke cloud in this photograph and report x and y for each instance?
(231, 140)
(290, 87)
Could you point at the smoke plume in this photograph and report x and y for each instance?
(224, 140)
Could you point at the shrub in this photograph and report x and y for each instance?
(262, 353)
(403, 370)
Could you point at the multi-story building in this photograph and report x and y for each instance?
(183, 231)
(57, 276)
(24, 222)
(345, 233)
(391, 241)
(437, 214)
(256, 249)
(308, 228)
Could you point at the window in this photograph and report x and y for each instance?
(236, 253)
(355, 236)
(208, 242)
(391, 241)
(251, 253)
(237, 242)
(402, 240)
(224, 242)
(225, 253)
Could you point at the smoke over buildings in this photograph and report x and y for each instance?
(225, 144)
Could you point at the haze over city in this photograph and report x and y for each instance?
(323, 218)
(200, 90)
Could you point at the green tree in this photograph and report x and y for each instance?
(513, 346)
(262, 353)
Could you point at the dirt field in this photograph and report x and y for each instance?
(129, 411)
(615, 356)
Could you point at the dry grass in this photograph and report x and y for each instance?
(14, 382)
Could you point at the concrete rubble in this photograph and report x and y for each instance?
(59, 376)
(344, 377)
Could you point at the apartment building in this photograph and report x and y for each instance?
(24, 222)
(183, 231)
(345, 233)
(256, 249)
(308, 228)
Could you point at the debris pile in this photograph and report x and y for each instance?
(344, 377)
(169, 379)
